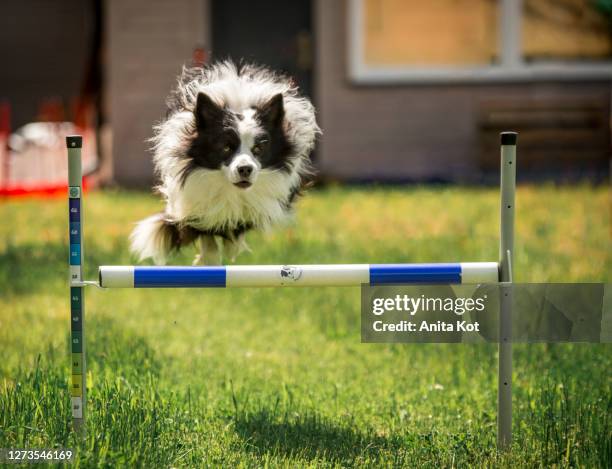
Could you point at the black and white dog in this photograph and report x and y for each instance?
(232, 155)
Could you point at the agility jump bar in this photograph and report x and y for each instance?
(300, 275)
(297, 275)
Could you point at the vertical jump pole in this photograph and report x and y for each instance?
(77, 291)
(506, 248)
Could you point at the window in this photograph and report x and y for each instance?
(575, 30)
(453, 40)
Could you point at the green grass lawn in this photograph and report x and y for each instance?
(278, 377)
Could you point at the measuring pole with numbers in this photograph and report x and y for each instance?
(78, 389)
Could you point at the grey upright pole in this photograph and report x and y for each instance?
(78, 388)
(506, 248)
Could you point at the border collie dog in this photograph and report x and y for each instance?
(232, 155)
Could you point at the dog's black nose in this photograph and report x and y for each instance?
(245, 171)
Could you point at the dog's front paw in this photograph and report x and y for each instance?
(207, 259)
(231, 249)
(198, 260)
(209, 252)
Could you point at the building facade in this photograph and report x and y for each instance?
(405, 91)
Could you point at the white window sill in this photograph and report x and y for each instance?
(362, 75)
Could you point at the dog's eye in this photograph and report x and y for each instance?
(257, 149)
(227, 149)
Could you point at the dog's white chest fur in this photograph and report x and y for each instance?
(209, 201)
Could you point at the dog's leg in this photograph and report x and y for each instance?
(233, 247)
(209, 251)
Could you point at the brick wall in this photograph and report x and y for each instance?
(148, 42)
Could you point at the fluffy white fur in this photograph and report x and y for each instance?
(208, 200)
(147, 240)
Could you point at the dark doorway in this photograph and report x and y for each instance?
(276, 33)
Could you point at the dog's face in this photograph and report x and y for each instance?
(239, 144)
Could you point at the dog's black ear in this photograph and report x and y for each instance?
(206, 111)
(273, 112)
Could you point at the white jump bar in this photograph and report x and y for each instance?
(310, 275)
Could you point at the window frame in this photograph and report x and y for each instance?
(512, 66)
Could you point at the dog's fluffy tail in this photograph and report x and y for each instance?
(155, 237)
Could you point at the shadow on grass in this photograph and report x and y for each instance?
(27, 268)
(313, 437)
(117, 351)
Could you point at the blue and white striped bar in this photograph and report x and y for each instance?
(297, 275)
